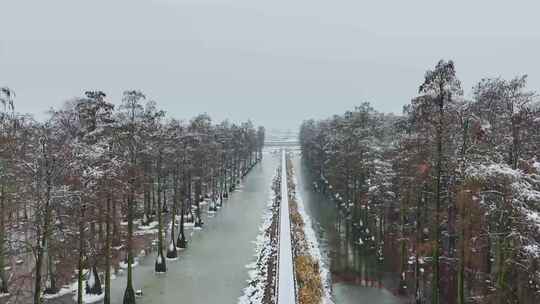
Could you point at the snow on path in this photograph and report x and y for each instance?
(286, 288)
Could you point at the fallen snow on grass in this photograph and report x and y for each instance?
(86, 298)
(172, 259)
(314, 249)
(151, 225)
(90, 298)
(144, 232)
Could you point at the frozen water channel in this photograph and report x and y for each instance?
(212, 270)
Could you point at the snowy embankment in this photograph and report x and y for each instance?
(310, 244)
(262, 271)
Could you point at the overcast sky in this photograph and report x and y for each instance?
(276, 62)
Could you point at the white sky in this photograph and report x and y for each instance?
(274, 61)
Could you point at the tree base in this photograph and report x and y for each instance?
(181, 242)
(93, 287)
(129, 296)
(146, 220)
(160, 266)
(171, 251)
(48, 290)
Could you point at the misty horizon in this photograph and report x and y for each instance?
(250, 60)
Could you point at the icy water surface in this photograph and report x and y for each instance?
(336, 254)
(212, 270)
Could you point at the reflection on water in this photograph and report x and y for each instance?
(357, 273)
(212, 270)
(348, 293)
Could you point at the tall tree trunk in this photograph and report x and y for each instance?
(113, 223)
(3, 278)
(160, 266)
(129, 294)
(461, 269)
(42, 243)
(107, 299)
(80, 276)
(51, 278)
(403, 248)
(436, 233)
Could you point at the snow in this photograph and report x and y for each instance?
(91, 298)
(533, 250)
(485, 125)
(286, 283)
(522, 186)
(62, 292)
(91, 279)
(124, 265)
(147, 231)
(254, 292)
(149, 226)
(314, 248)
(87, 298)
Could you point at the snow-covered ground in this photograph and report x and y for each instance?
(286, 285)
(62, 292)
(258, 278)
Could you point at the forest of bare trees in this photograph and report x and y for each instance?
(75, 186)
(447, 195)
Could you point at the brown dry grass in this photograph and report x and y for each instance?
(310, 289)
(308, 278)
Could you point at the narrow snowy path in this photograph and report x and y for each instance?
(286, 288)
